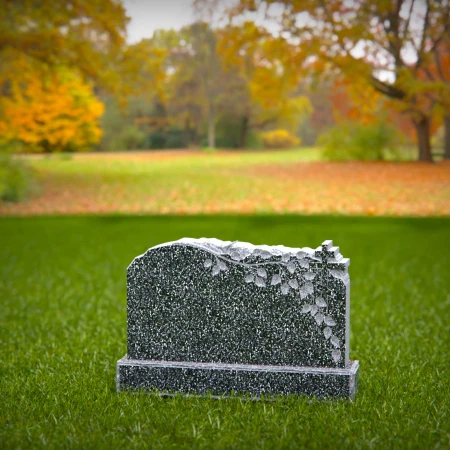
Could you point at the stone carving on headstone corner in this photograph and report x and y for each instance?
(206, 316)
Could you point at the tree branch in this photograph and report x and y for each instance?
(387, 89)
(424, 35)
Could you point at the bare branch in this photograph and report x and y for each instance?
(408, 20)
(424, 35)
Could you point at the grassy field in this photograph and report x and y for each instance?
(293, 181)
(63, 327)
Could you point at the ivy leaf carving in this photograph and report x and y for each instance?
(318, 318)
(306, 308)
(285, 288)
(208, 263)
(321, 302)
(222, 265)
(276, 279)
(329, 321)
(286, 257)
(291, 267)
(327, 332)
(336, 355)
(335, 341)
(306, 289)
(215, 270)
(262, 272)
(309, 276)
(314, 309)
(304, 264)
(260, 282)
(293, 283)
(249, 277)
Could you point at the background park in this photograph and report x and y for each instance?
(127, 124)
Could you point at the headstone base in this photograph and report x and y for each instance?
(170, 377)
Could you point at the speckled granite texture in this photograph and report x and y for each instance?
(223, 317)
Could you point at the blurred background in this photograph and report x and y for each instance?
(225, 106)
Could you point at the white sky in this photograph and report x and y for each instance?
(150, 15)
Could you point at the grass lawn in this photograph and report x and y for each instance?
(63, 327)
(288, 181)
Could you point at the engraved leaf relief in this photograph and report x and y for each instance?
(293, 277)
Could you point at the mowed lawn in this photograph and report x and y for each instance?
(182, 182)
(63, 327)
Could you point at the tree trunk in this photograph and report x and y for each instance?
(423, 138)
(244, 131)
(447, 137)
(187, 133)
(211, 127)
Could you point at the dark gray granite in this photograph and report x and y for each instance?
(222, 317)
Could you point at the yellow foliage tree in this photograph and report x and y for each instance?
(269, 78)
(49, 112)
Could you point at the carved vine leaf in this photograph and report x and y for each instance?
(329, 321)
(318, 318)
(249, 278)
(302, 283)
(262, 272)
(335, 341)
(259, 281)
(336, 355)
(306, 308)
(217, 266)
(276, 279)
(285, 289)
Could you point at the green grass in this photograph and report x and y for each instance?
(63, 327)
(286, 181)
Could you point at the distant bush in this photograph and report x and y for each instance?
(131, 138)
(15, 179)
(254, 140)
(175, 138)
(280, 139)
(354, 141)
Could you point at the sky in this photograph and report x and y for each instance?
(150, 15)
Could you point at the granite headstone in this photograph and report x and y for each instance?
(221, 318)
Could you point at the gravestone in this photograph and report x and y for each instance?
(220, 318)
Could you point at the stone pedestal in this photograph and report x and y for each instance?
(169, 377)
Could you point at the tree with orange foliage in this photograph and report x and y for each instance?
(49, 111)
(366, 39)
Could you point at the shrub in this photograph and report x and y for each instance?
(354, 141)
(15, 179)
(175, 138)
(280, 139)
(131, 138)
(254, 140)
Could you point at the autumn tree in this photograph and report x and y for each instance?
(262, 81)
(85, 35)
(49, 110)
(436, 84)
(384, 43)
(198, 76)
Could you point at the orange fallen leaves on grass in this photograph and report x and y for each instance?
(355, 188)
